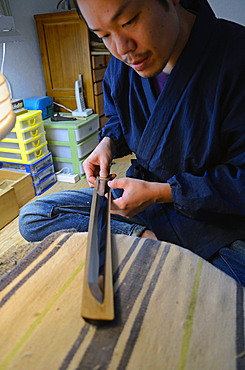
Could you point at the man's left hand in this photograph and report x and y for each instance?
(138, 195)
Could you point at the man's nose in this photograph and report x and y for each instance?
(124, 44)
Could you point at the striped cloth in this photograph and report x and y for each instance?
(173, 310)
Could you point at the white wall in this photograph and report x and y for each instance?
(23, 66)
(234, 10)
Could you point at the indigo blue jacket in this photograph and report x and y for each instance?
(191, 136)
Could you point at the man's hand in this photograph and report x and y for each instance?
(99, 160)
(138, 195)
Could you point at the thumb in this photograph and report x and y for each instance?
(103, 170)
(115, 184)
(103, 173)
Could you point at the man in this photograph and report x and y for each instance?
(174, 92)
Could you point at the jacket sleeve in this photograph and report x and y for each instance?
(220, 191)
(113, 128)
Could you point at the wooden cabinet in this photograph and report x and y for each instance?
(64, 41)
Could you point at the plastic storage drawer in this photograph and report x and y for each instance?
(45, 184)
(24, 135)
(41, 175)
(20, 156)
(64, 150)
(33, 168)
(26, 145)
(72, 131)
(28, 120)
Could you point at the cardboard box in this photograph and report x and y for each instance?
(20, 182)
(9, 208)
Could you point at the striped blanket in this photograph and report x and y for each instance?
(173, 310)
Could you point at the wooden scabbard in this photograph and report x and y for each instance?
(92, 309)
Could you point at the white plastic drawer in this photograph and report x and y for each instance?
(82, 150)
(84, 131)
(81, 133)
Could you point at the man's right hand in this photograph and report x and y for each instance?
(98, 162)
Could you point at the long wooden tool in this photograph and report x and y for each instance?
(97, 298)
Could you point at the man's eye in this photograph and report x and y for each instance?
(131, 21)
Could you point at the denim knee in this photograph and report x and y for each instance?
(231, 260)
(30, 215)
(24, 220)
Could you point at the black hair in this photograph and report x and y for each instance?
(164, 3)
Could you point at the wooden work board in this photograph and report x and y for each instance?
(173, 310)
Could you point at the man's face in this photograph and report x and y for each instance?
(141, 33)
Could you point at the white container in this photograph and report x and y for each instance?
(79, 151)
(71, 131)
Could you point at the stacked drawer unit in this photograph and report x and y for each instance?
(25, 147)
(99, 64)
(70, 142)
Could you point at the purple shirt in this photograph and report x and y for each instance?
(160, 79)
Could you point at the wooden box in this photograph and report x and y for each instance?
(9, 208)
(22, 184)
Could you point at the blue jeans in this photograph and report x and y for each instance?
(231, 260)
(70, 209)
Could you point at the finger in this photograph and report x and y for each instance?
(104, 169)
(91, 178)
(89, 171)
(91, 182)
(119, 205)
(122, 213)
(116, 183)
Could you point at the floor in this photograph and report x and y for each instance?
(10, 236)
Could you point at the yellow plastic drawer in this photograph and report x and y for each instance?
(25, 135)
(28, 120)
(20, 156)
(13, 145)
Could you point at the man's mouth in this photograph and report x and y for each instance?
(137, 65)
